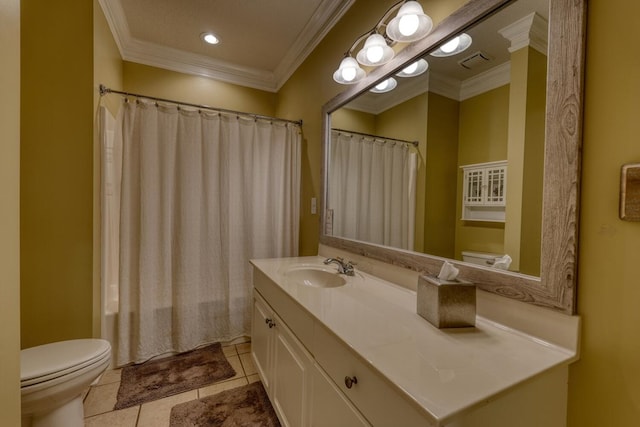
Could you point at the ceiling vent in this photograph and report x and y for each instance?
(475, 60)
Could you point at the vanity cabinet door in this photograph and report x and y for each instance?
(291, 377)
(283, 364)
(262, 336)
(329, 407)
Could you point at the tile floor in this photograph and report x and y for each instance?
(101, 398)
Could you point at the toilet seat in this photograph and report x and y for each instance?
(48, 362)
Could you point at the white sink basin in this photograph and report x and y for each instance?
(316, 276)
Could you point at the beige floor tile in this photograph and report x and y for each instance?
(110, 376)
(253, 378)
(243, 348)
(156, 413)
(122, 418)
(247, 364)
(101, 399)
(235, 363)
(85, 393)
(221, 386)
(229, 350)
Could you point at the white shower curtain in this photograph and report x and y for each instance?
(372, 189)
(201, 194)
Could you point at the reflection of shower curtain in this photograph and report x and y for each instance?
(372, 189)
(201, 194)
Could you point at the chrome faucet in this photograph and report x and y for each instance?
(343, 267)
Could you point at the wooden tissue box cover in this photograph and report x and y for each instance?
(447, 304)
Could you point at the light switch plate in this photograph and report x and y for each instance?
(630, 192)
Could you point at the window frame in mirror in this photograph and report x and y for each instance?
(556, 286)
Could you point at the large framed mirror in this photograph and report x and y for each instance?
(489, 141)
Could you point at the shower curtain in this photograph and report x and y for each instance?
(201, 194)
(372, 189)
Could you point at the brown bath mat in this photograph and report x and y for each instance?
(241, 406)
(160, 378)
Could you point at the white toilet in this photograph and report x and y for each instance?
(481, 258)
(53, 378)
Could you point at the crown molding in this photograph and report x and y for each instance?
(444, 86)
(327, 15)
(532, 30)
(189, 63)
(147, 53)
(493, 78)
(440, 84)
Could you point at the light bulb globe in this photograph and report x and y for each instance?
(410, 23)
(375, 51)
(349, 72)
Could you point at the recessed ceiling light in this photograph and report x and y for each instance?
(210, 38)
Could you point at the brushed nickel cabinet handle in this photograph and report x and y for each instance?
(350, 381)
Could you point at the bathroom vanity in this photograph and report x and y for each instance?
(334, 350)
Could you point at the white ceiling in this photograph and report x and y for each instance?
(262, 42)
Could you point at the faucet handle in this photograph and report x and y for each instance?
(348, 268)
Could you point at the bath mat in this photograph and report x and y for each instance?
(160, 378)
(247, 405)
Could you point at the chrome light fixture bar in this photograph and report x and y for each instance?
(409, 24)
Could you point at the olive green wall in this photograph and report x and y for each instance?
(525, 156)
(441, 172)
(408, 121)
(533, 168)
(56, 175)
(107, 63)
(604, 385)
(356, 121)
(107, 70)
(167, 84)
(10, 213)
(482, 138)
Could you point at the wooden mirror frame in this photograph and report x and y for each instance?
(556, 286)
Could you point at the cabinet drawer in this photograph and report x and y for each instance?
(330, 407)
(296, 318)
(374, 396)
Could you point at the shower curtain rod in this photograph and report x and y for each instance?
(414, 143)
(105, 91)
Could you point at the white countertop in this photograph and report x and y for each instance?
(445, 371)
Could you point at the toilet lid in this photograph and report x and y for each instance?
(48, 361)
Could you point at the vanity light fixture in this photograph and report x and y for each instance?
(384, 86)
(210, 38)
(409, 24)
(349, 72)
(453, 46)
(414, 69)
(375, 52)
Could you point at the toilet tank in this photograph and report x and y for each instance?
(481, 258)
